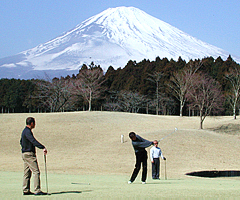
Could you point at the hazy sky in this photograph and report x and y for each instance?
(25, 24)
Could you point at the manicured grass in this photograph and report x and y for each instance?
(85, 147)
(115, 187)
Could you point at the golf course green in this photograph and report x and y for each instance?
(87, 160)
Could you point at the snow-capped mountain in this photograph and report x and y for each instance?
(110, 38)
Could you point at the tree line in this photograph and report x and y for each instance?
(163, 87)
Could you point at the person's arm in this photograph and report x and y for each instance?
(35, 143)
(162, 155)
(142, 143)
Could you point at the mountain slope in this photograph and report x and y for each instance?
(112, 37)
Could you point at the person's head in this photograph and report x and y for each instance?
(132, 136)
(155, 142)
(30, 122)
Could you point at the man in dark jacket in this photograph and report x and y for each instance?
(28, 143)
(139, 145)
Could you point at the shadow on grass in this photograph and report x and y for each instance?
(70, 192)
(164, 181)
(155, 183)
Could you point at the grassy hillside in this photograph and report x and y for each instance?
(90, 142)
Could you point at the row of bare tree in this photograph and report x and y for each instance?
(188, 85)
(201, 91)
(60, 94)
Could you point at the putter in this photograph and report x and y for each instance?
(165, 169)
(45, 160)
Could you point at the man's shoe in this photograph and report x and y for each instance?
(143, 182)
(28, 193)
(41, 193)
(129, 182)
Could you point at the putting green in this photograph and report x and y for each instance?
(115, 187)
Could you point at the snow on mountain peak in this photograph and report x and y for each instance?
(112, 38)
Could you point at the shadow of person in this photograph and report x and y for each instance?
(70, 192)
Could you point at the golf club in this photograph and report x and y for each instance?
(45, 160)
(165, 169)
(168, 134)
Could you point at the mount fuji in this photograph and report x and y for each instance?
(110, 38)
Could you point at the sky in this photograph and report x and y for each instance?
(25, 24)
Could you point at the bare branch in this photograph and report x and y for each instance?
(89, 84)
(180, 82)
(234, 78)
(205, 94)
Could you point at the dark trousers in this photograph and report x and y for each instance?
(155, 168)
(141, 158)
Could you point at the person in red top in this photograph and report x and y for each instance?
(28, 143)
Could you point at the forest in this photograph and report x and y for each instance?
(162, 87)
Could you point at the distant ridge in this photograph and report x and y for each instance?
(110, 38)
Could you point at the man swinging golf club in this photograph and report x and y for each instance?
(28, 143)
(139, 144)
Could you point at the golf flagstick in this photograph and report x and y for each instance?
(45, 160)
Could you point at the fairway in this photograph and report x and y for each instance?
(85, 147)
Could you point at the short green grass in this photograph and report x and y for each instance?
(85, 147)
(115, 187)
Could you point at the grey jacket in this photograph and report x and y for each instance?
(140, 144)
